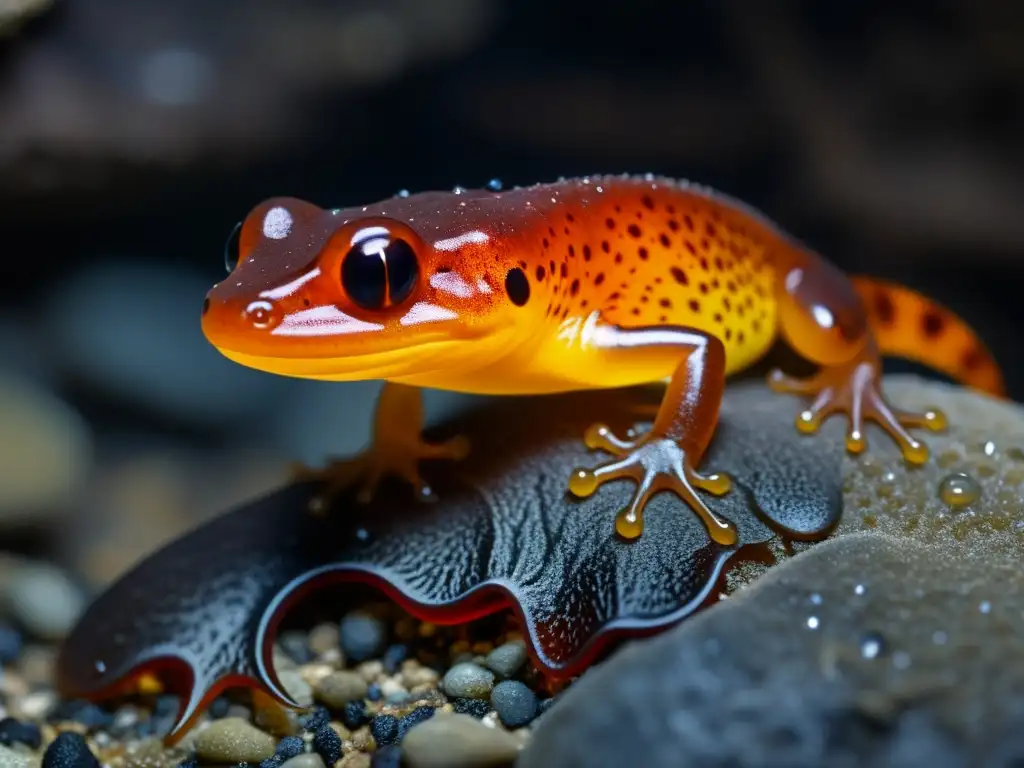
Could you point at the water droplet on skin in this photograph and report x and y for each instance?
(872, 645)
(989, 448)
(860, 589)
(959, 490)
(494, 185)
(100, 665)
(813, 622)
(362, 534)
(815, 598)
(403, 193)
(458, 190)
(984, 606)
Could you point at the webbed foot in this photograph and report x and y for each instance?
(656, 463)
(856, 390)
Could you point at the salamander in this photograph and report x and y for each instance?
(595, 282)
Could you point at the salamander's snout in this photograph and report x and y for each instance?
(227, 318)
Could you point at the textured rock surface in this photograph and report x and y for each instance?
(898, 642)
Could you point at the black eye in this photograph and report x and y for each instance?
(379, 272)
(517, 286)
(231, 248)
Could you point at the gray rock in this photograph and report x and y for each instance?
(515, 704)
(507, 659)
(11, 759)
(338, 688)
(362, 636)
(457, 741)
(468, 681)
(44, 600)
(233, 740)
(45, 452)
(147, 347)
(308, 760)
(866, 650)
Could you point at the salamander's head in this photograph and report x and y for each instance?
(392, 290)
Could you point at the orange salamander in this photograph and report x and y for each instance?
(597, 282)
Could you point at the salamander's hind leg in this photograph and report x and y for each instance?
(665, 457)
(823, 318)
(397, 449)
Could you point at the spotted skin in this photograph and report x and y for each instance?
(595, 282)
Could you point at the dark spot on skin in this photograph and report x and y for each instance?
(726, 303)
(615, 296)
(642, 253)
(718, 317)
(666, 303)
(690, 248)
(586, 253)
(566, 230)
(551, 231)
(633, 230)
(644, 299)
(739, 337)
(610, 223)
(517, 286)
(679, 276)
(618, 258)
(522, 264)
(605, 246)
(599, 278)
(663, 319)
(557, 309)
(574, 288)
(932, 323)
(673, 225)
(540, 273)
(569, 218)
(671, 210)
(546, 242)
(710, 229)
(756, 325)
(618, 209)
(719, 265)
(728, 334)
(689, 221)
(973, 359)
(584, 304)
(551, 267)
(572, 251)
(884, 308)
(704, 244)
(694, 305)
(565, 312)
(730, 286)
(704, 264)
(564, 270)
(663, 239)
(636, 311)
(647, 202)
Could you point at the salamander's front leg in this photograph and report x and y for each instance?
(397, 449)
(665, 457)
(823, 318)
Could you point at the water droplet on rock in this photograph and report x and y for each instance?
(872, 645)
(959, 490)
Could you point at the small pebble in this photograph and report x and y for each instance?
(10, 644)
(83, 712)
(475, 707)
(418, 715)
(327, 744)
(219, 708)
(289, 747)
(387, 757)
(506, 660)
(394, 656)
(315, 720)
(296, 646)
(308, 760)
(362, 636)
(69, 750)
(457, 741)
(354, 715)
(515, 704)
(323, 638)
(293, 682)
(339, 688)
(384, 729)
(189, 762)
(15, 732)
(233, 740)
(373, 692)
(355, 760)
(469, 681)
(45, 600)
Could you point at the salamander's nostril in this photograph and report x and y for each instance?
(206, 305)
(262, 314)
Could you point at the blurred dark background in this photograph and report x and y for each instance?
(134, 134)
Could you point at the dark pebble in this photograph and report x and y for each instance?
(384, 729)
(354, 715)
(189, 762)
(327, 744)
(10, 644)
(270, 762)
(296, 646)
(83, 712)
(289, 747)
(12, 731)
(219, 707)
(373, 692)
(69, 750)
(394, 656)
(316, 719)
(387, 757)
(362, 636)
(514, 702)
(475, 707)
(418, 715)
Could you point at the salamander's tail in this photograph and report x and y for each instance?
(909, 325)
